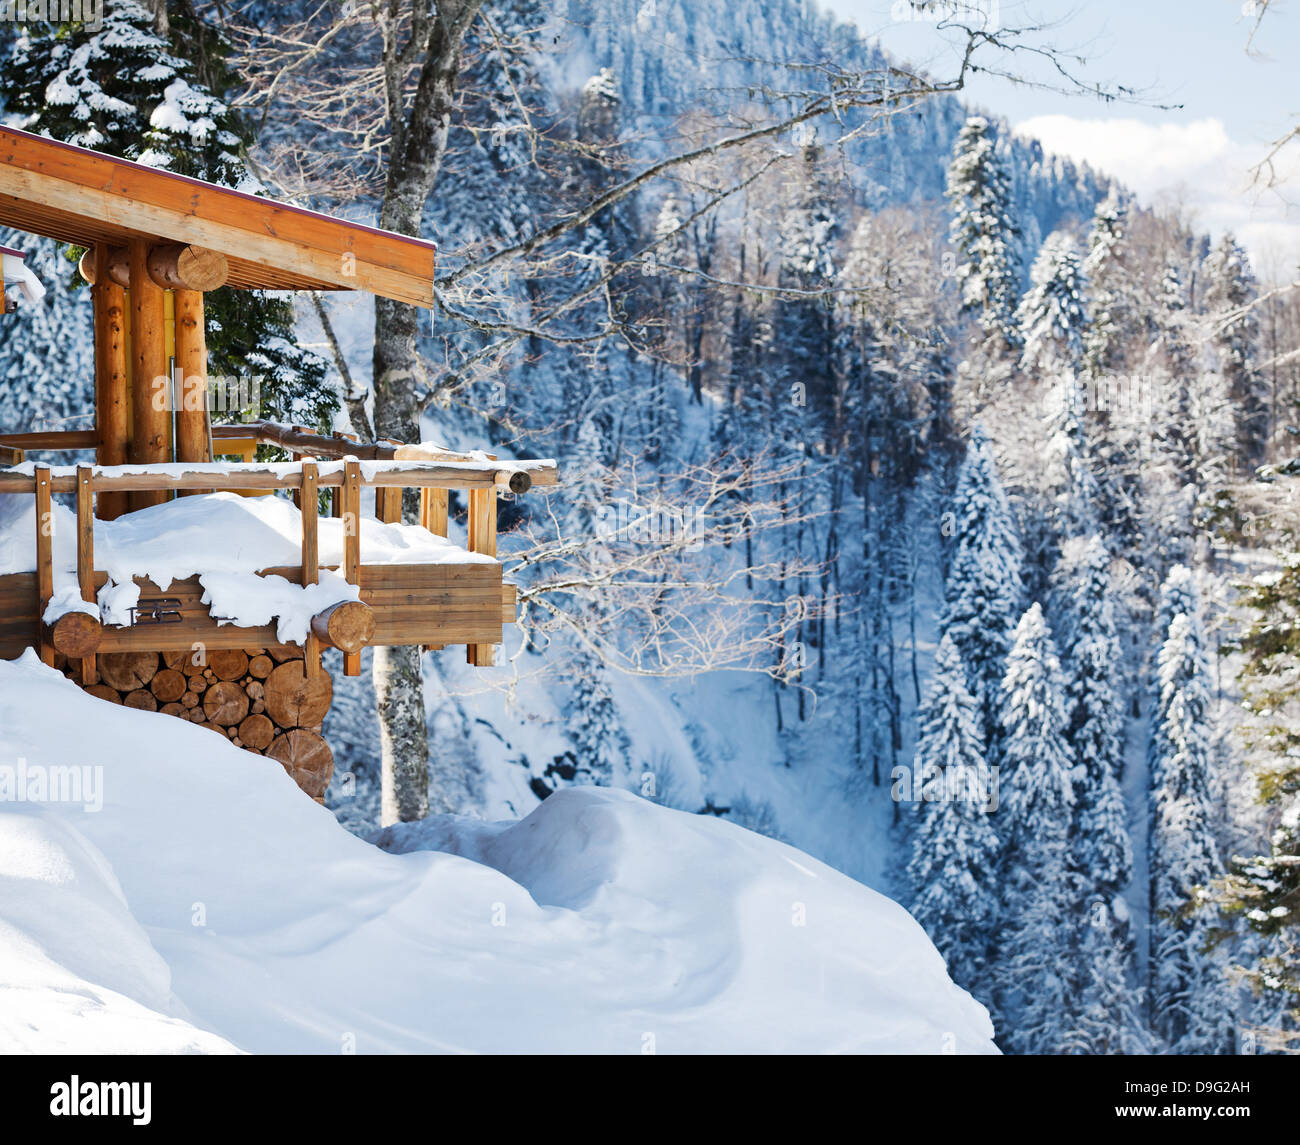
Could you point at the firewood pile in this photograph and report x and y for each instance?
(259, 699)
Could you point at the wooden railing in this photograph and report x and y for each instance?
(432, 471)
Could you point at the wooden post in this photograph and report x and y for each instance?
(112, 394)
(310, 560)
(433, 516)
(433, 510)
(482, 539)
(86, 553)
(44, 559)
(388, 504)
(351, 490)
(150, 413)
(192, 436)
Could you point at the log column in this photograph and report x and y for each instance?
(112, 394)
(150, 401)
(192, 434)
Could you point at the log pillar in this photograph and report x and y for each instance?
(150, 385)
(482, 529)
(112, 392)
(192, 432)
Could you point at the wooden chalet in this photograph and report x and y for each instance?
(156, 242)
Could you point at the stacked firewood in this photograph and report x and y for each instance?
(260, 699)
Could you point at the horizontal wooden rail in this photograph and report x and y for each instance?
(288, 475)
(64, 439)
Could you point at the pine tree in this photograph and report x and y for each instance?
(1037, 781)
(125, 91)
(984, 233)
(1229, 294)
(953, 866)
(1189, 1000)
(983, 591)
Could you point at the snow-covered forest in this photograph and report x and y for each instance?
(927, 499)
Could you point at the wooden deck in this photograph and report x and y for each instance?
(430, 604)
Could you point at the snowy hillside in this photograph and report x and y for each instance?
(207, 906)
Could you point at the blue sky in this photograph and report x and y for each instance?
(1186, 52)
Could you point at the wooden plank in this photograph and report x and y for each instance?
(192, 362)
(9, 455)
(309, 504)
(44, 558)
(112, 386)
(433, 510)
(352, 544)
(86, 553)
(482, 529)
(509, 603)
(150, 415)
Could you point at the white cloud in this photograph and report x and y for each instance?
(1197, 164)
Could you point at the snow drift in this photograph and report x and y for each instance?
(209, 907)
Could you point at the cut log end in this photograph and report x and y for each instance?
(176, 266)
(294, 699)
(516, 481)
(347, 626)
(225, 704)
(306, 757)
(76, 634)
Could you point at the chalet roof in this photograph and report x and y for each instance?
(78, 196)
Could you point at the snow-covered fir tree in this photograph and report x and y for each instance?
(983, 233)
(600, 744)
(1110, 288)
(1103, 855)
(1039, 923)
(47, 367)
(1105, 1016)
(953, 867)
(1052, 317)
(1189, 1000)
(1230, 291)
(1263, 889)
(983, 592)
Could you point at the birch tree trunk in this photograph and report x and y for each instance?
(419, 142)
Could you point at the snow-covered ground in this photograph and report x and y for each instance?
(207, 905)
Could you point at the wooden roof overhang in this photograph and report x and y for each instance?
(79, 196)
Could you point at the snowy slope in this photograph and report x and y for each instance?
(248, 918)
